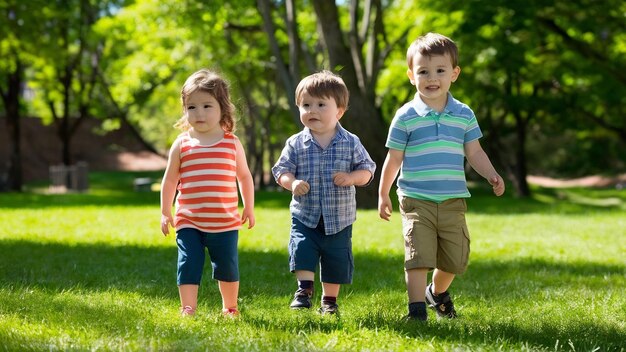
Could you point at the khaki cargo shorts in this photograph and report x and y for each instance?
(435, 234)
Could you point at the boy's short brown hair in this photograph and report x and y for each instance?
(324, 84)
(432, 44)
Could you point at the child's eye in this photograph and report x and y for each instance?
(441, 70)
(422, 72)
(321, 104)
(207, 106)
(191, 107)
(305, 105)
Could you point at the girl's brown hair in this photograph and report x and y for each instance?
(212, 83)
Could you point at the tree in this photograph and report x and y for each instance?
(357, 53)
(522, 69)
(16, 50)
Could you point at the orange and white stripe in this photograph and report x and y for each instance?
(207, 198)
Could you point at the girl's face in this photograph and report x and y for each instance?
(203, 111)
(433, 76)
(319, 114)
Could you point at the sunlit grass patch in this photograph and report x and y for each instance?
(93, 272)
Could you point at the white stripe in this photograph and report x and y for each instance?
(208, 161)
(208, 194)
(211, 205)
(210, 183)
(208, 172)
(194, 149)
(189, 213)
(210, 224)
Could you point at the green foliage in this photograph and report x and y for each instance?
(550, 69)
(92, 271)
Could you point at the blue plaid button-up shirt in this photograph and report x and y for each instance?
(305, 158)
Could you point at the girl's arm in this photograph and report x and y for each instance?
(480, 162)
(246, 185)
(168, 187)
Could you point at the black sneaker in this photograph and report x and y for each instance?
(301, 299)
(419, 313)
(441, 303)
(329, 308)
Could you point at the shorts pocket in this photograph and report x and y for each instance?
(465, 247)
(410, 250)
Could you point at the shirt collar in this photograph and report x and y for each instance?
(341, 133)
(452, 105)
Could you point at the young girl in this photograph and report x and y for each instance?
(205, 164)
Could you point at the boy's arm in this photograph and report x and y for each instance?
(354, 178)
(290, 183)
(480, 162)
(246, 185)
(168, 187)
(392, 165)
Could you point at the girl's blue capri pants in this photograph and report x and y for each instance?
(222, 249)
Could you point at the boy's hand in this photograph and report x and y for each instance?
(300, 187)
(166, 222)
(384, 207)
(498, 185)
(342, 179)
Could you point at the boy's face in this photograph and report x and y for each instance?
(203, 111)
(433, 76)
(319, 114)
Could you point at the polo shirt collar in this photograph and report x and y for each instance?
(452, 106)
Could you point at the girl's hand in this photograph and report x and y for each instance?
(300, 187)
(248, 216)
(166, 222)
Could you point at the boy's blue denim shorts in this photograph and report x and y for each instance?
(222, 249)
(309, 248)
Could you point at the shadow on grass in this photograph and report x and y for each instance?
(53, 269)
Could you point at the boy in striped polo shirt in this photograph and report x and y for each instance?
(428, 140)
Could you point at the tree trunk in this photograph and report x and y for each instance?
(521, 173)
(363, 117)
(11, 99)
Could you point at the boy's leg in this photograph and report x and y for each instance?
(329, 298)
(331, 290)
(303, 259)
(452, 258)
(305, 275)
(441, 281)
(416, 284)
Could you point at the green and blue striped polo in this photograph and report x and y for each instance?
(432, 142)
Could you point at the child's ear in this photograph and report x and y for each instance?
(409, 73)
(340, 112)
(455, 73)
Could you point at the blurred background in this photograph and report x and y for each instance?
(98, 82)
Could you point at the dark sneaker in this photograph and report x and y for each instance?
(419, 313)
(301, 299)
(441, 303)
(329, 308)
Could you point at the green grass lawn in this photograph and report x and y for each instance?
(92, 272)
